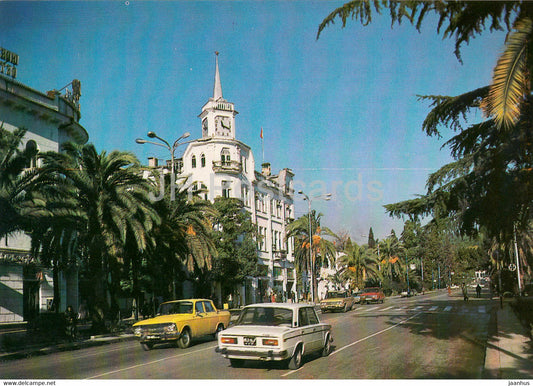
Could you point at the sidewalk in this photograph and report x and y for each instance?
(509, 352)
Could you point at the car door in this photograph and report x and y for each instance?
(199, 321)
(317, 336)
(211, 317)
(308, 330)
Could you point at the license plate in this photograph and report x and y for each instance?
(249, 341)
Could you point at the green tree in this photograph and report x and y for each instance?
(112, 200)
(489, 184)
(323, 251)
(15, 206)
(235, 238)
(359, 264)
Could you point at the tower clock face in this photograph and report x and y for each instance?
(204, 126)
(222, 123)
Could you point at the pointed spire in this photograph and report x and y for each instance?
(217, 90)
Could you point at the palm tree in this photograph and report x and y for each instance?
(13, 185)
(391, 261)
(112, 200)
(183, 238)
(359, 264)
(464, 21)
(323, 251)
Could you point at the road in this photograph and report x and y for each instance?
(431, 336)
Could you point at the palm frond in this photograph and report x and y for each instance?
(510, 82)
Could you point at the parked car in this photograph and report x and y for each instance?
(337, 301)
(275, 332)
(372, 295)
(180, 321)
(357, 297)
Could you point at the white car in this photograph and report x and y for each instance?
(275, 332)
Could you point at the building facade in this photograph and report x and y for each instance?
(220, 165)
(52, 118)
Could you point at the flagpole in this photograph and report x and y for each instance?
(262, 146)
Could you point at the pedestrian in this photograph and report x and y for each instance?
(71, 318)
(478, 291)
(465, 292)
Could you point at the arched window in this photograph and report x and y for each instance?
(202, 160)
(193, 161)
(225, 157)
(31, 147)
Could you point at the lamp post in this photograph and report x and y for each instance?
(325, 197)
(172, 150)
(164, 144)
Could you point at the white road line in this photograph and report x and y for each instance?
(385, 309)
(152, 362)
(447, 308)
(433, 308)
(369, 309)
(360, 340)
(481, 309)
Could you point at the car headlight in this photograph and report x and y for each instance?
(137, 330)
(171, 328)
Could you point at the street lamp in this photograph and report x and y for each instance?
(325, 197)
(172, 150)
(165, 144)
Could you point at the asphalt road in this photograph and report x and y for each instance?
(424, 337)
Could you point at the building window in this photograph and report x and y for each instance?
(226, 190)
(225, 157)
(31, 146)
(202, 160)
(193, 161)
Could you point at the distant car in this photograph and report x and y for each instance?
(275, 332)
(372, 295)
(357, 297)
(180, 321)
(337, 301)
(408, 293)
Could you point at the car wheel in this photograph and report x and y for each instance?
(327, 347)
(296, 361)
(236, 362)
(185, 339)
(220, 328)
(147, 346)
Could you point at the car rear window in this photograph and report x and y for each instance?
(265, 316)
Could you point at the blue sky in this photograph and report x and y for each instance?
(341, 112)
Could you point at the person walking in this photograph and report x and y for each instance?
(478, 291)
(71, 319)
(465, 291)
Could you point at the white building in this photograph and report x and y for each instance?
(221, 165)
(26, 287)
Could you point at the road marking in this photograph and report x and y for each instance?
(481, 309)
(360, 340)
(433, 308)
(150, 363)
(369, 309)
(447, 308)
(385, 309)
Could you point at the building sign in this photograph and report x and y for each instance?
(8, 63)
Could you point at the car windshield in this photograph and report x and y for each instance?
(265, 316)
(175, 308)
(332, 295)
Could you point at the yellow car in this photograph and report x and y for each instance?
(180, 321)
(337, 301)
